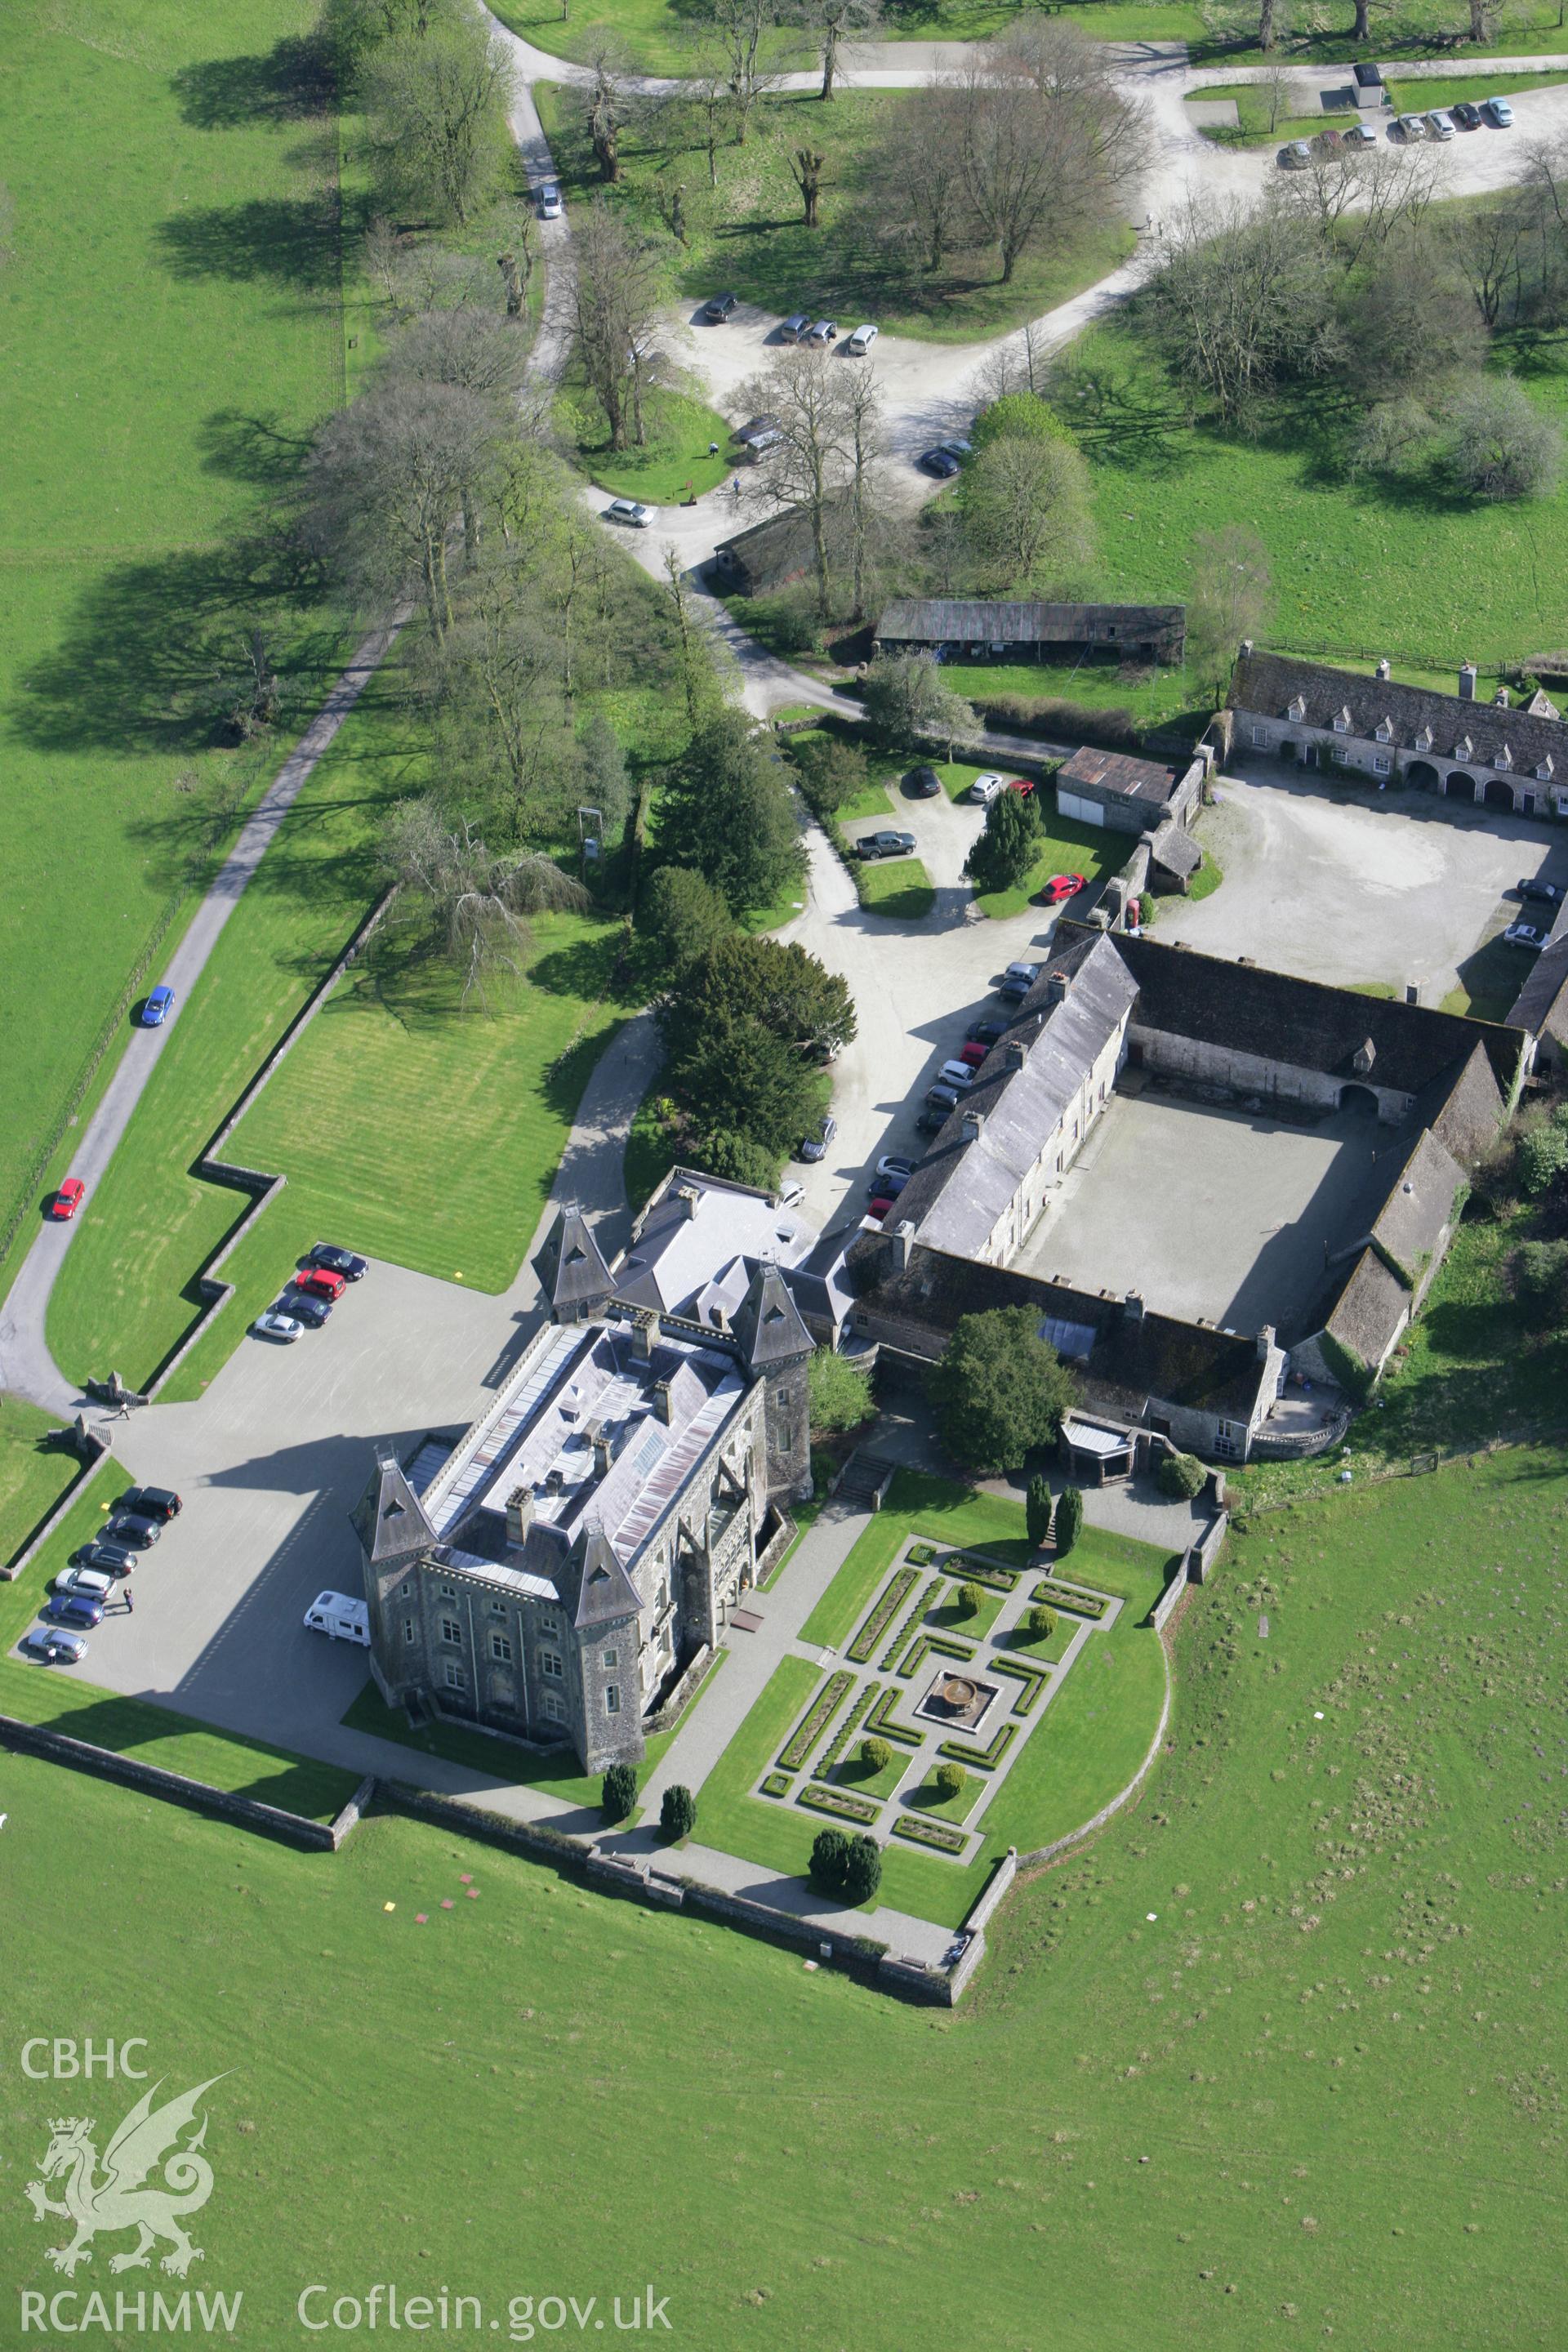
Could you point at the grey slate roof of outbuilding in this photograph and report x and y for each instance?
(963, 620)
(1270, 683)
(1369, 1311)
(1279, 1017)
(1173, 849)
(1542, 1004)
(961, 1189)
(1120, 772)
(1419, 1204)
(1464, 1114)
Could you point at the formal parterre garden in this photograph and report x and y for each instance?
(1066, 1726)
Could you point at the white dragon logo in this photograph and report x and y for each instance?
(148, 2137)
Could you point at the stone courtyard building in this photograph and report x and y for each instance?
(564, 1571)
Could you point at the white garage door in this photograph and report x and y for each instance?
(1085, 812)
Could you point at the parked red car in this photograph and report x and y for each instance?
(1025, 785)
(878, 1207)
(974, 1053)
(319, 1283)
(68, 1200)
(1060, 886)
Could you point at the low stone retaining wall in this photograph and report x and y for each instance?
(224, 1804)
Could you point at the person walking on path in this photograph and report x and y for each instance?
(130, 1602)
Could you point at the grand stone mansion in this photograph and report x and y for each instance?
(561, 1572)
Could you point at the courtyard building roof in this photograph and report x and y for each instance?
(1120, 772)
(1411, 717)
(976, 621)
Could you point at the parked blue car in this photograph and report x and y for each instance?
(157, 1007)
(72, 1609)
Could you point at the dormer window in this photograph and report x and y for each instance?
(1341, 722)
(1504, 758)
(1462, 748)
(1298, 709)
(1543, 769)
(1386, 730)
(1423, 738)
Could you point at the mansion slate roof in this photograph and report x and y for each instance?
(699, 1242)
(1279, 1017)
(1417, 719)
(961, 1187)
(961, 620)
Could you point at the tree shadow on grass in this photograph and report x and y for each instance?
(292, 83)
(149, 656)
(293, 241)
(252, 448)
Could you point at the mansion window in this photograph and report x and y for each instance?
(550, 1663)
(500, 1649)
(547, 1626)
(1227, 1439)
(452, 1632)
(1381, 764)
(554, 1707)
(456, 1678)
(612, 1698)
(406, 1588)
(410, 1631)
(498, 1608)
(1341, 724)
(612, 1659)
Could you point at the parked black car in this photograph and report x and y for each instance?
(109, 1558)
(150, 1502)
(816, 1145)
(129, 1528)
(719, 309)
(306, 1309)
(1532, 887)
(340, 1261)
(922, 783)
(985, 1032)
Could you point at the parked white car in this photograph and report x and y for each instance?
(985, 789)
(87, 1583)
(630, 512)
(1411, 127)
(861, 340)
(341, 1619)
(1498, 111)
(274, 1326)
(549, 200)
(1440, 125)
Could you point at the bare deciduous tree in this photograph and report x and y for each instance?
(737, 31)
(614, 296)
(1246, 299)
(438, 108)
(807, 169)
(609, 110)
(831, 24)
(389, 478)
(1027, 511)
(1227, 600)
(917, 173)
(824, 467)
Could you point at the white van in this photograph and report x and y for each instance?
(341, 1619)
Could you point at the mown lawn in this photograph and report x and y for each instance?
(672, 463)
(173, 331)
(1347, 2105)
(657, 34)
(1360, 568)
(36, 1470)
(1066, 848)
(896, 887)
(747, 233)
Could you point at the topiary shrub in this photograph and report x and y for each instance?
(948, 1781)
(862, 1868)
(1037, 1508)
(969, 1598)
(1068, 1520)
(1182, 1475)
(875, 1754)
(676, 1812)
(1040, 1623)
(828, 1850)
(619, 1794)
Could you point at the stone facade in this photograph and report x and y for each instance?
(554, 1574)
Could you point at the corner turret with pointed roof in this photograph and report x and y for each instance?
(571, 1270)
(389, 1518)
(767, 1325)
(776, 1349)
(605, 1593)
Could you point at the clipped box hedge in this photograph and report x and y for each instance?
(881, 1719)
(912, 1618)
(865, 1698)
(837, 1801)
(894, 1595)
(984, 1759)
(815, 1721)
(1062, 1596)
(922, 1831)
(1033, 1678)
(969, 1568)
(776, 1784)
(942, 1644)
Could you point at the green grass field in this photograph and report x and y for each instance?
(657, 34)
(747, 233)
(173, 329)
(35, 1472)
(1337, 2042)
(673, 462)
(1360, 568)
(898, 889)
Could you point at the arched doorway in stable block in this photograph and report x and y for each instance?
(1459, 786)
(1360, 1099)
(1498, 794)
(1424, 776)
